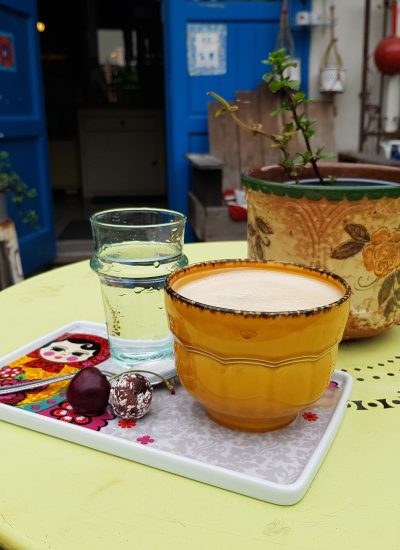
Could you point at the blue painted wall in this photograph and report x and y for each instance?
(23, 130)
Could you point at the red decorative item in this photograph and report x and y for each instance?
(126, 423)
(237, 212)
(387, 52)
(310, 416)
(145, 439)
(7, 58)
(64, 412)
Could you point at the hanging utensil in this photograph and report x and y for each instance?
(332, 73)
(387, 59)
(285, 41)
(387, 52)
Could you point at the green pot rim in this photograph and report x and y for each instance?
(315, 192)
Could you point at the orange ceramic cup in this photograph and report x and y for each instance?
(254, 371)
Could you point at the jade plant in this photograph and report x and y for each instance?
(10, 182)
(293, 100)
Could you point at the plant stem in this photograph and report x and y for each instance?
(296, 120)
(230, 109)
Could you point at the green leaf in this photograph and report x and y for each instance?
(285, 69)
(310, 122)
(301, 118)
(278, 138)
(268, 77)
(287, 163)
(277, 111)
(275, 86)
(326, 155)
(11, 183)
(289, 127)
(299, 97)
(293, 84)
(278, 54)
(31, 193)
(307, 156)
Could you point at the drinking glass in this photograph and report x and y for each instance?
(135, 250)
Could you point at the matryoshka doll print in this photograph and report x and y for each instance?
(68, 353)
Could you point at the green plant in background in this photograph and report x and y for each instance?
(11, 183)
(293, 101)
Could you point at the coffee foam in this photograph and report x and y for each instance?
(260, 290)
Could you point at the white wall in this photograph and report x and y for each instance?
(349, 31)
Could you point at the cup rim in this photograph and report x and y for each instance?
(94, 221)
(263, 314)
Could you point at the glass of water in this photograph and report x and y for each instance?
(135, 250)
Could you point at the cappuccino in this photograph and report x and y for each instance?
(261, 290)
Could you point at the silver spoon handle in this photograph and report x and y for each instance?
(32, 384)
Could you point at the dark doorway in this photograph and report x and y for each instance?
(102, 63)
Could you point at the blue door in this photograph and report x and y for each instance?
(23, 128)
(245, 32)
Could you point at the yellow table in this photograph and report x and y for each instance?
(58, 495)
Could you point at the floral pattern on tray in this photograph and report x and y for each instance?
(178, 425)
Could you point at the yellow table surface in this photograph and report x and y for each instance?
(59, 495)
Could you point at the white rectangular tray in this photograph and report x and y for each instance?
(178, 437)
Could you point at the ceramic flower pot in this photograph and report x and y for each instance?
(351, 227)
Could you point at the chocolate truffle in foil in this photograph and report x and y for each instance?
(130, 396)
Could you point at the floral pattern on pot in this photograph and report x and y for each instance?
(381, 255)
(357, 239)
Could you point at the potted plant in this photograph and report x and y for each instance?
(342, 217)
(12, 185)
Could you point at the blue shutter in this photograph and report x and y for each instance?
(23, 128)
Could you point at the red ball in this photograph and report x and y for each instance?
(387, 55)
